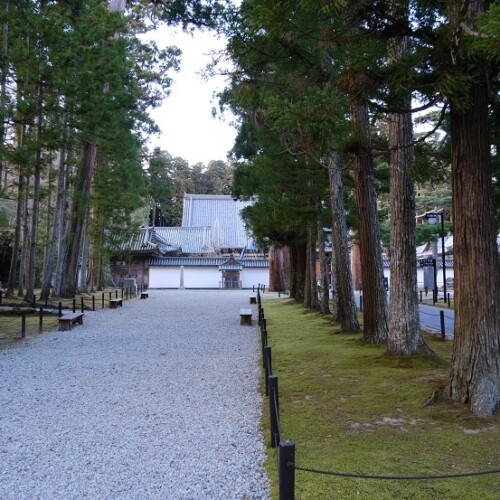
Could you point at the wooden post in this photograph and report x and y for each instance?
(441, 319)
(23, 324)
(40, 321)
(274, 410)
(268, 371)
(286, 470)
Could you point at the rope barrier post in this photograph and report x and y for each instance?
(102, 300)
(74, 305)
(274, 410)
(286, 470)
(420, 295)
(268, 371)
(23, 324)
(441, 319)
(93, 302)
(40, 321)
(81, 304)
(60, 309)
(449, 305)
(263, 343)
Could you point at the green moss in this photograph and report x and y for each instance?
(350, 408)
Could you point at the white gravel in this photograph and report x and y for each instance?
(155, 400)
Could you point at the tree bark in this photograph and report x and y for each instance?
(14, 263)
(30, 289)
(346, 313)
(50, 261)
(404, 335)
(23, 261)
(80, 208)
(297, 271)
(3, 91)
(374, 295)
(475, 373)
(324, 300)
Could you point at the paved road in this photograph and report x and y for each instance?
(430, 318)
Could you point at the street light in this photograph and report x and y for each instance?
(432, 219)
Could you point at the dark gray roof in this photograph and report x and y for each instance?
(222, 214)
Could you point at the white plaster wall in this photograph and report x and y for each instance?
(164, 277)
(202, 277)
(252, 277)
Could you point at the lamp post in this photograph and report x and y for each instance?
(432, 219)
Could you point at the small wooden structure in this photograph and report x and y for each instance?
(144, 295)
(66, 321)
(253, 299)
(245, 317)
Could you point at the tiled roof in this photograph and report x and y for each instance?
(205, 262)
(222, 214)
(187, 239)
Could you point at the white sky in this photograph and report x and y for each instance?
(185, 118)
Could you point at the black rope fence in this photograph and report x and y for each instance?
(16, 320)
(286, 449)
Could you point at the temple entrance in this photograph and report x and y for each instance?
(231, 274)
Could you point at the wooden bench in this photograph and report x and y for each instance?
(144, 295)
(69, 319)
(114, 303)
(245, 316)
(253, 299)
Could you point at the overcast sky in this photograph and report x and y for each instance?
(185, 118)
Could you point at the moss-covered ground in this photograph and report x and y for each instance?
(350, 408)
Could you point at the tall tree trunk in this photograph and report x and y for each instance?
(50, 261)
(82, 287)
(79, 210)
(404, 336)
(311, 285)
(15, 261)
(62, 235)
(342, 286)
(30, 291)
(475, 371)
(374, 295)
(23, 261)
(3, 89)
(324, 305)
(277, 269)
(297, 271)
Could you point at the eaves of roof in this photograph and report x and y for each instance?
(205, 262)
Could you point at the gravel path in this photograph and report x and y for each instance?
(156, 400)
